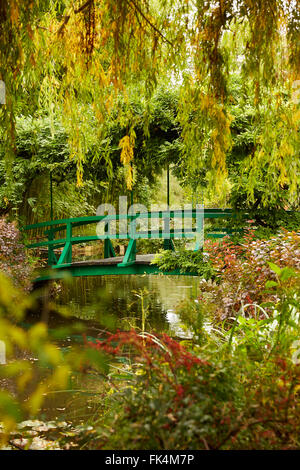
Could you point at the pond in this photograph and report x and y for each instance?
(103, 304)
(125, 301)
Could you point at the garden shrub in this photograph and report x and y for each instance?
(243, 271)
(241, 392)
(180, 399)
(13, 260)
(32, 363)
(185, 261)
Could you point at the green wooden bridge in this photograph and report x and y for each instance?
(58, 237)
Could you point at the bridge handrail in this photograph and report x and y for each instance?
(208, 213)
(165, 233)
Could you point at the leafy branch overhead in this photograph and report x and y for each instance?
(64, 58)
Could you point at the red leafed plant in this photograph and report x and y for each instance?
(13, 260)
(243, 270)
(147, 349)
(177, 400)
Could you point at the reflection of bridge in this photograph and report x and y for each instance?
(59, 237)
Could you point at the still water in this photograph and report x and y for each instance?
(130, 301)
(105, 303)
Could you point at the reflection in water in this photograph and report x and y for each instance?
(109, 302)
(124, 301)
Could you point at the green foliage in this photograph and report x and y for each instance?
(130, 48)
(260, 331)
(42, 147)
(185, 261)
(193, 316)
(34, 363)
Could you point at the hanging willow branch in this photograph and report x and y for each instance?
(107, 48)
(138, 9)
(83, 7)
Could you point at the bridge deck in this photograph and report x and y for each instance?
(107, 266)
(140, 260)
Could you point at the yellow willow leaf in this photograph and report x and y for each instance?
(215, 133)
(37, 334)
(24, 379)
(127, 150)
(79, 182)
(108, 104)
(60, 377)
(36, 399)
(127, 145)
(129, 176)
(296, 117)
(18, 336)
(205, 102)
(14, 13)
(51, 354)
(285, 149)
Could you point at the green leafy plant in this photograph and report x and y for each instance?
(185, 261)
(34, 364)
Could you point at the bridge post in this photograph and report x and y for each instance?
(51, 255)
(109, 251)
(168, 242)
(69, 241)
(66, 256)
(199, 228)
(130, 255)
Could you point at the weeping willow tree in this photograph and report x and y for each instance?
(73, 59)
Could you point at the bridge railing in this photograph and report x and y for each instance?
(166, 225)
